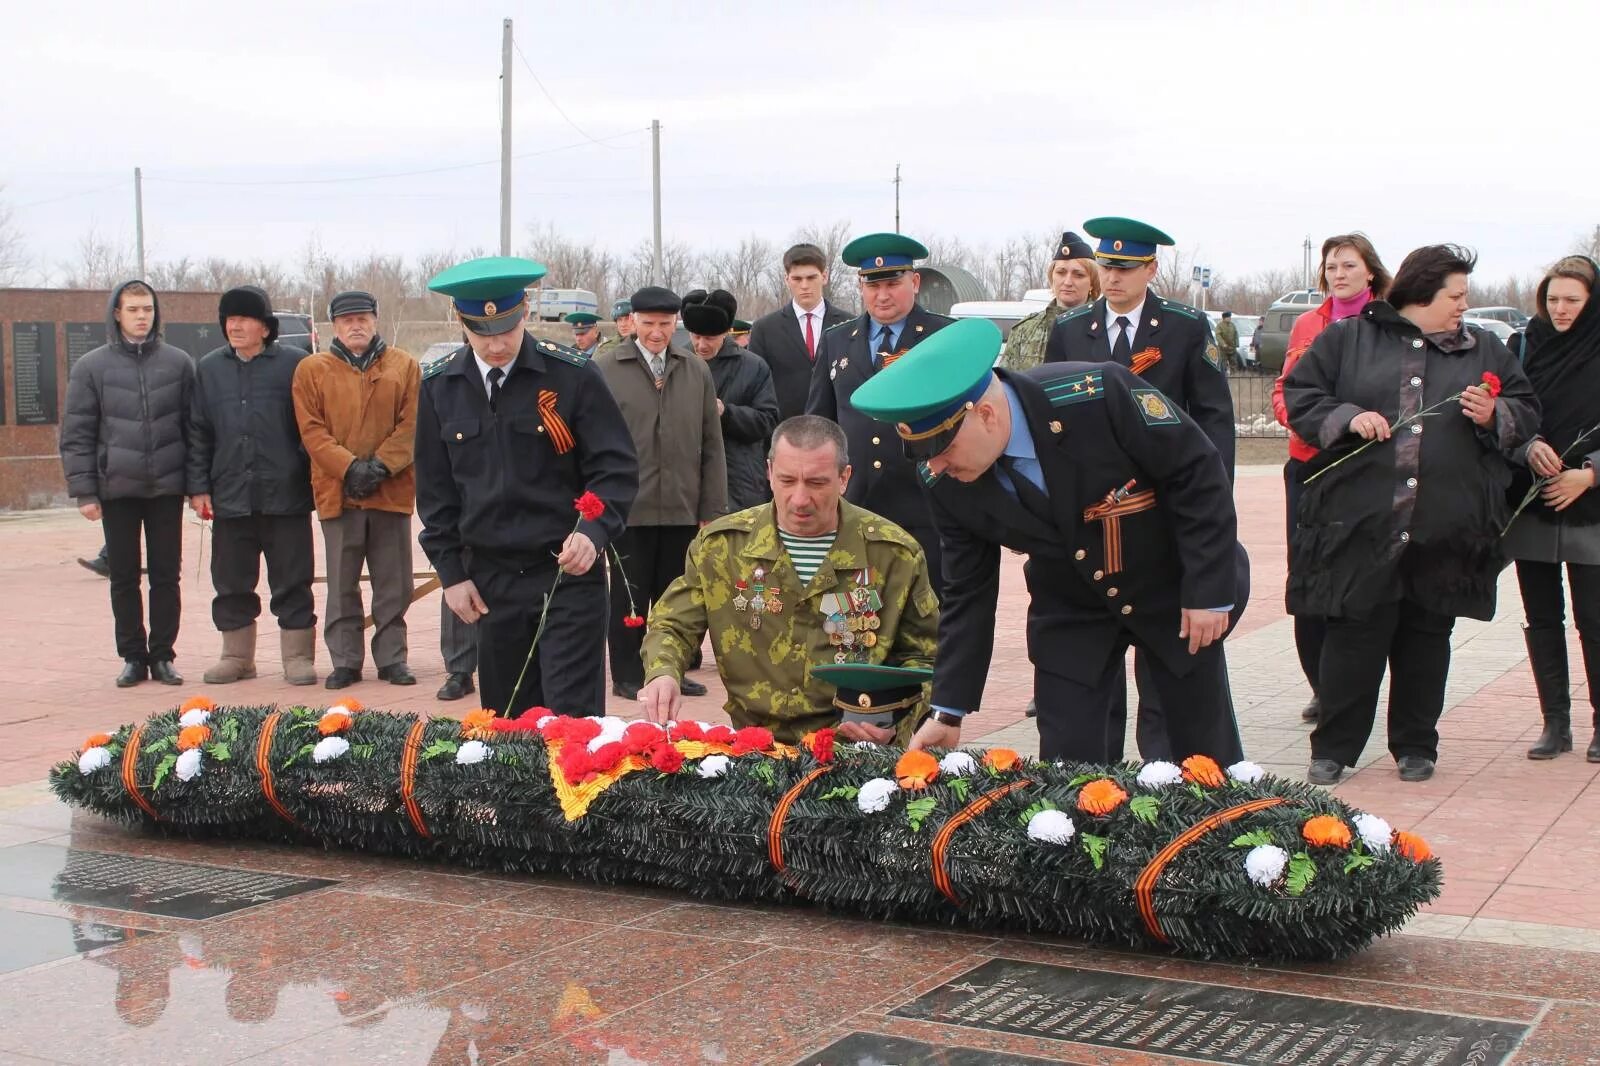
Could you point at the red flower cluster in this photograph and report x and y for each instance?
(683, 729)
(526, 722)
(572, 730)
(633, 621)
(589, 506)
(666, 758)
(640, 737)
(719, 734)
(751, 739)
(577, 763)
(1491, 383)
(820, 744)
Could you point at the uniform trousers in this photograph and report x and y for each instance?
(381, 539)
(161, 519)
(652, 557)
(458, 641)
(1414, 643)
(237, 548)
(567, 672)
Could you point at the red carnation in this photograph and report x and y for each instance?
(822, 745)
(666, 758)
(633, 621)
(533, 714)
(687, 730)
(1491, 383)
(589, 506)
(640, 737)
(607, 756)
(719, 734)
(575, 762)
(523, 724)
(751, 739)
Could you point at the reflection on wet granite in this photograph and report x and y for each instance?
(30, 939)
(875, 1049)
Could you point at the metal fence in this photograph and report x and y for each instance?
(1252, 404)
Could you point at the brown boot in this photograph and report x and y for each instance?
(299, 655)
(238, 662)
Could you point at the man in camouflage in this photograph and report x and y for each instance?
(1228, 340)
(749, 580)
(1073, 282)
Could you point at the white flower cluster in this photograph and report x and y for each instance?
(958, 764)
(1246, 771)
(329, 748)
(1375, 833)
(93, 759)
(472, 751)
(1265, 863)
(874, 795)
(611, 730)
(1052, 827)
(1160, 774)
(198, 716)
(188, 765)
(714, 766)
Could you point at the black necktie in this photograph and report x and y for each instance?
(1028, 494)
(496, 375)
(885, 347)
(1122, 350)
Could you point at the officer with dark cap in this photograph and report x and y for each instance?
(585, 332)
(851, 354)
(511, 431)
(1073, 281)
(1127, 518)
(1166, 343)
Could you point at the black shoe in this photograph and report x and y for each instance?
(133, 672)
(1415, 767)
(1324, 771)
(691, 688)
(626, 689)
(397, 674)
(1033, 709)
(455, 687)
(98, 565)
(342, 677)
(1554, 739)
(161, 670)
(1593, 754)
(1312, 711)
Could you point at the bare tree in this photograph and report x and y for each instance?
(841, 289)
(753, 272)
(13, 253)
(101, 263)
(1591, 246)
(572, 264)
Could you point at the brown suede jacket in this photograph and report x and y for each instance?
(346, 414)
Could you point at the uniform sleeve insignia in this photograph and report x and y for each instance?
(1212, 357)
(1079, 388)
(1155, 408)
(927, 476)
(1144, 360)
(567, 355)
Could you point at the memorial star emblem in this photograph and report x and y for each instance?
(967, 987)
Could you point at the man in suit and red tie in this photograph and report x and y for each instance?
(788, 338)
(848, 356)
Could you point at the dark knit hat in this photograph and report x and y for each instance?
(352, 302)
(653, 299)
(709, 314)
(248, 301)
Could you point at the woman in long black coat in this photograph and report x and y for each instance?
(1397, 540)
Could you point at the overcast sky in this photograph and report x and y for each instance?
(1240, 128)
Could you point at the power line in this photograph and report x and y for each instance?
(529, 67)
(71, 195)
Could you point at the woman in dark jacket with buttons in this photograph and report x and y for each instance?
(1562, 523)
(1398, 532)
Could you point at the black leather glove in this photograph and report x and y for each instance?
(362, 478)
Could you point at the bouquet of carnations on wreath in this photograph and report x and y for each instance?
(1490, 384)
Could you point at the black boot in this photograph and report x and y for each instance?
(1547, 656)
(1591, 670)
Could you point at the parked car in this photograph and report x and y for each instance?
(1246, 325)
(1003, 313)
(1499, 327)
(1272, 335)
(1514, 317)
(297, 329)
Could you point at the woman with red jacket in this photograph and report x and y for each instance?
(1352, 275)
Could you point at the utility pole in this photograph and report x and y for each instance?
(1306, 268)
(655, 187)
(897, 197)
(138, 217)
(505, 136)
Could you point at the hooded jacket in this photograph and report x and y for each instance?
(124, 434)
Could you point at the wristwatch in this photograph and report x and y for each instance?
(946, 718)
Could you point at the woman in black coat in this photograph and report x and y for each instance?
(1399, 529)
(1561, 356)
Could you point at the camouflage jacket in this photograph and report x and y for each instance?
(767, 669)
(1025, 343)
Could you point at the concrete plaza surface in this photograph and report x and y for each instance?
(400, 963)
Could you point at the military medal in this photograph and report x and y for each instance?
(740, 600)
(774, 605)
(758, 601)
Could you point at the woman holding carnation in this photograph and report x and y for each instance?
(1561, 356)
(1398, 530)
(1352, 276)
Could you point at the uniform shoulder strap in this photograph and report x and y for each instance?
(563, 353)
(1181, 309)
(1078, 385)
(438, 366)
(1076, 312)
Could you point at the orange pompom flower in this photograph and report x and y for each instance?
(1412, 847)
(1101, 797)
(193, 736)
(1001, 759)
(196, 703)
(334, 721)
(1203, 770)
(1326, 831)
(350, 704)
(478, 724)
(99, 740)
(916, 770)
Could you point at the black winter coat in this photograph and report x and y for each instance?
(1419, 516)
(749, 415)
(125, 434)
(244, 442)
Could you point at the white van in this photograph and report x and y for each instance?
(552, 305)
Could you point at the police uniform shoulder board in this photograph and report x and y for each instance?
(1076, 388)
(434, 367)
(1076, 312)
(563, 353)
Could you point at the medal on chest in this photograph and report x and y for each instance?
(850, 618)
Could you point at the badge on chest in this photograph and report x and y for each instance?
(850, 618)
(755, 597)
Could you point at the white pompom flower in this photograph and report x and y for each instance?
(874, 795)
(958, 764)
(1052, 827)
(1246, 771)
(188, 765)
(472, 751)
(1376, 833)
(1160, 774)
(198, 716)
(329, 748)
(714, 766)
(93, 759)
(1264, 864)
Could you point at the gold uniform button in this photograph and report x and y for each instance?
(875, 440)
(1080, 555)
(1099, 575)
(877, 464)
(1127, 608)
(1112, 591)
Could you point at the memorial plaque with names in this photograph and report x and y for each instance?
(83, 338)
(33, 372)
(875, 1049)
(148, 886)
(196, 338)
(1207, 1023)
